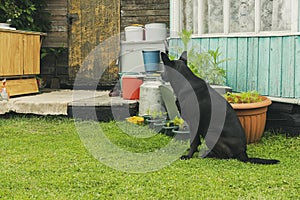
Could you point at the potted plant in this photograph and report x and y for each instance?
(251, 109)
(182, 133)
(155, 119)
(171, 125)
(155, 116)
(168, 127)
(183, 128)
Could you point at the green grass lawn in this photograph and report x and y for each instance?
(44, 158)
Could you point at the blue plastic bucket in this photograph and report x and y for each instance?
(151, 60)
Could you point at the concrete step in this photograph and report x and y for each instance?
(85, 104)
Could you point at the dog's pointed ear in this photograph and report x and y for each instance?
(165, 58)
(183, 57)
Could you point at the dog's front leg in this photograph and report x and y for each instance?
(193, 147)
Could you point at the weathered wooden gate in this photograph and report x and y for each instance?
(94, 28)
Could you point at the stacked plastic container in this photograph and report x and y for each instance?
(140, 53)
(151, 32)
(155, 31)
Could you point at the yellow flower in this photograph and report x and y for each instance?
(135, 120)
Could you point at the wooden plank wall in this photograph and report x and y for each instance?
(94, 37)
(133, 12)
(143, 12)
(58, 35)
(270, 65)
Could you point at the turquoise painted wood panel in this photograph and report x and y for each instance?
(297, 67)
(275, 66)
(232, 63)
(196, 44)
(288, 67)
(191, 45)
(223, 50)
(252, 60)
(204, 44)
(270, 65)
(174, 46)
(299, 15)
(214, 43)
(263, 65)
(242, 65)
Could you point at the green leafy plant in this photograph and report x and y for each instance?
(243, 97)
(218, 74)
(177, 121)
(156, 114)
(185, 36)
(8, 11)
(25, 14)
(205, 64)
(54, 54)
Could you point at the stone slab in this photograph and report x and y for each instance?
(57, 102)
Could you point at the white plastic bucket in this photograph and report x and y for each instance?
(5, 26)
(134, 33)
(150, 97)
(156, 31)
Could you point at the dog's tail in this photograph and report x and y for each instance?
(262, 161)
(244, 158)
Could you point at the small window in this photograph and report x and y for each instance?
(242, 16)
(275, 15)
(231, 16)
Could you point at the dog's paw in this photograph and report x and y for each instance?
(184, 157)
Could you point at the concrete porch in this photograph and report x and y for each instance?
(84, 104)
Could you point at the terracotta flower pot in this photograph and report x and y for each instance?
(253, 118)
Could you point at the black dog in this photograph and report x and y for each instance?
(208, 114)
